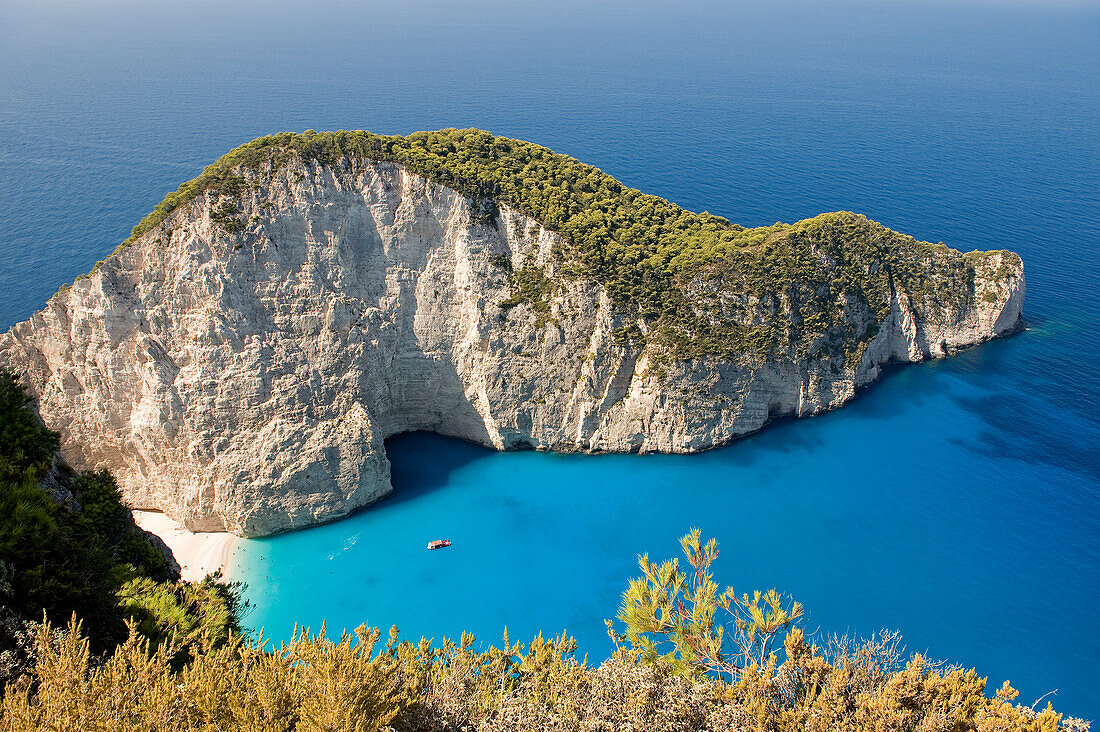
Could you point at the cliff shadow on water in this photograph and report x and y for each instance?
(422, 461)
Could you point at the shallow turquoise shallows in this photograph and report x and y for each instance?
(901, 511)
(958, 501)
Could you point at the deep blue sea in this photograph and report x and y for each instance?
(957, 501)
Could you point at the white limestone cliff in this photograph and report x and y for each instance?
(246, 382)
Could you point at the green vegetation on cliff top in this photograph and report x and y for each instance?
(697, 283)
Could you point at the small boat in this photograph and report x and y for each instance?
(439, 543)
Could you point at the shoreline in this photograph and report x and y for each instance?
(198, 554)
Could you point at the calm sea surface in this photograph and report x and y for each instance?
(958, 501)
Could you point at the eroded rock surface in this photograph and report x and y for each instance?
(246, 381)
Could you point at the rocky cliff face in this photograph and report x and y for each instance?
(244, 378)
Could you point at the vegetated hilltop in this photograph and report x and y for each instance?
(241, 358)
(653, 258)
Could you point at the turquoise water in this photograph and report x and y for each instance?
(899, 511)
(956, 501)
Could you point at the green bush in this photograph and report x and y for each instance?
(182, 614)
(313, 683)
(25, 443)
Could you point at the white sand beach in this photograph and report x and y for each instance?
(197, 553)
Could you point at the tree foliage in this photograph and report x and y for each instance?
(79, 551)
(680, 619)
(25, 443)
(315, 683)
(183, 613)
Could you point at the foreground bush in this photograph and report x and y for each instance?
(679, 666)
(313, 683)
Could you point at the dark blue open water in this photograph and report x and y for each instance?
(956, 501)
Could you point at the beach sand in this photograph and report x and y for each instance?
(197, 553)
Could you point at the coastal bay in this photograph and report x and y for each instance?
(957, 501)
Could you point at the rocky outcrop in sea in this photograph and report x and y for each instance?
(244, 378)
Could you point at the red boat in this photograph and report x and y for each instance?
(439, 543)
